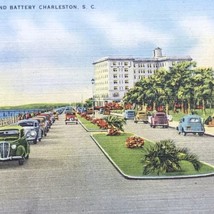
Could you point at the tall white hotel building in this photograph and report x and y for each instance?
(114, 76)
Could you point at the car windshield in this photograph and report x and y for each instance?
(13, 134)
(23, 124)
(194, 120)
(160, 115)
(70, 113)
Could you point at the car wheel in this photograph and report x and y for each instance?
(183, 133)
(201, 134)
(154, 126)
(21, 161)
(35, 141)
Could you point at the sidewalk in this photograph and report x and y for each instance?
(208, 130)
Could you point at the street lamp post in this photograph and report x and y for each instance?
(93, 82)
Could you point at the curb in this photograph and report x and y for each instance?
(150, 177)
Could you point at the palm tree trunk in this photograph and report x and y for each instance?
(188, 107)
(182, 106)
(203, 107)
(167, 108)
(154, 106)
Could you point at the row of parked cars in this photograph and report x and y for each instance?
(188, 124)
(15, 139)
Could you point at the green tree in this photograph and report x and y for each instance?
(181, 81)
(164, 88)
(203, 86)
(164, 157)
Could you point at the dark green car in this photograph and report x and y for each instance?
(13, 144)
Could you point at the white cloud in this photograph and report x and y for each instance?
(49, 38)
(40, 67)
(201, 30)
(127, 34)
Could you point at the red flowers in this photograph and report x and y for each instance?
(134, 142)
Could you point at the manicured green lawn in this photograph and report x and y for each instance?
(129, 160)
(88, 124)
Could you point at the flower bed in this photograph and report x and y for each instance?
(134, 142)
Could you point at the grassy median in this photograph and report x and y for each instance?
(129, 161)
(88, 124)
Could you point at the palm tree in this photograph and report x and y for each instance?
(181, 81)
(164, 157)
(115, 124)
(204, 86)
(164, 87)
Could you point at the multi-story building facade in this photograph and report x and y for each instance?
(114, 76)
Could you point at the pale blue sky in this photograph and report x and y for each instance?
(46, 55)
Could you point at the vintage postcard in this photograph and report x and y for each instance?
(127, 117)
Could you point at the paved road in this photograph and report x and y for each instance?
(67, 173)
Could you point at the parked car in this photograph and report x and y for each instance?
(159, 119)
(32, 129)
(48, 119)
(141, 116)
(129, 114)
(43, 124)
(56, 115)
(13, 144)
(71, 118)
(90, 111)
(191, 124)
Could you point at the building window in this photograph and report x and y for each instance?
(116, 94)
(115, 81)
(126, 70)
(115, 87)
(125, 63)
(126, 87)
(115, 75)
(126, 81)
(114, 69)
(126, 75)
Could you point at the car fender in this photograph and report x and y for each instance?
(20, 151)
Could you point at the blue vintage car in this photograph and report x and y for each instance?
(32, 129)
(191, 124)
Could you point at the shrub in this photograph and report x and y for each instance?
(134, 142)
(115, 124)
(165, 157)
